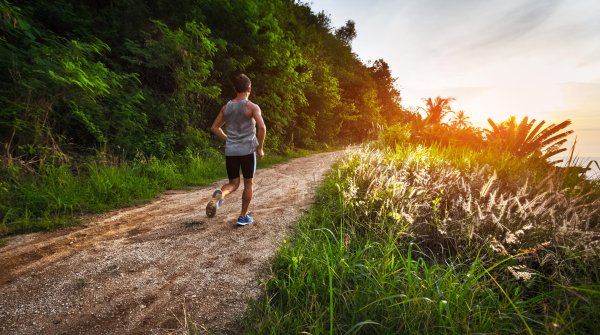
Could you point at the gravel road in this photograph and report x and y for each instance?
(160, 268)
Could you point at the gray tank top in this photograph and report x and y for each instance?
(241, 130)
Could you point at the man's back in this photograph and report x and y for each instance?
(241, 129)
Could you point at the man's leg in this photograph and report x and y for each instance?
(246, 196)
(248, 170)
(232, 164)
(230, 187)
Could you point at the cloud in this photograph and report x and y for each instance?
(515, 24)
(590, 59)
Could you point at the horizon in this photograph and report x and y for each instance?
(498, 58)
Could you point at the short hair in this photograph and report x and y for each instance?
(241, 83)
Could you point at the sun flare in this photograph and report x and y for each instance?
(536, 101)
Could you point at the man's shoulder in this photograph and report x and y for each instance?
(253, 105)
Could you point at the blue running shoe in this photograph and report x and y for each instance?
(242, 221)
(214, 203)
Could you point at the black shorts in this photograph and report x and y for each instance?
(246, 163)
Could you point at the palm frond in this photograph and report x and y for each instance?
(535, 131)
(552, 129)
(555, 138)
(553, 152)
(524, 138)
(494, 127)
(523, 129)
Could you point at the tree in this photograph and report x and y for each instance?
(524, 140)
(437, 109)
(460, 120)
(175, 66)
(346, 33)
(388, 95)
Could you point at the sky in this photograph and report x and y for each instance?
(535, 58)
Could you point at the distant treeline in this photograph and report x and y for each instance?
(124, 78)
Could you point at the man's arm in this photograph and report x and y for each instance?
(217, 124)
(262, 130)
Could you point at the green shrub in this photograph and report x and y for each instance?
(394, 135)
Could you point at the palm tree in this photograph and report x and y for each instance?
(524, 140)
(437, 109)
(460, 120)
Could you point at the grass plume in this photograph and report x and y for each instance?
(430, 240)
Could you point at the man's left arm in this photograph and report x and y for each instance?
(262, 130)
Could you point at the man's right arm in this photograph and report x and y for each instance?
(217, 124)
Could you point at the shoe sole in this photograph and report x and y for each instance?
(211, 207)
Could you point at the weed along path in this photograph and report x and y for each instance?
(160, 268)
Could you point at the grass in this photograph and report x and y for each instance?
(363, 284)
(389, 248)
(58, 195)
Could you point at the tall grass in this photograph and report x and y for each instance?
(437, 241)
(57, 195)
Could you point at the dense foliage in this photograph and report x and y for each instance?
(123, 78)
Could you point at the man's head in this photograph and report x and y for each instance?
(241, 83)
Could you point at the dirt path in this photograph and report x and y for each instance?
(148, 269)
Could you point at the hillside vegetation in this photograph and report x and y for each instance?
(120, 78)
(89, 86)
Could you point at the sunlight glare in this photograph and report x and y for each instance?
(534, 100)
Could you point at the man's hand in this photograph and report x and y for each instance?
(259, 152)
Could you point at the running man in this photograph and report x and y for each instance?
(240, 117)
